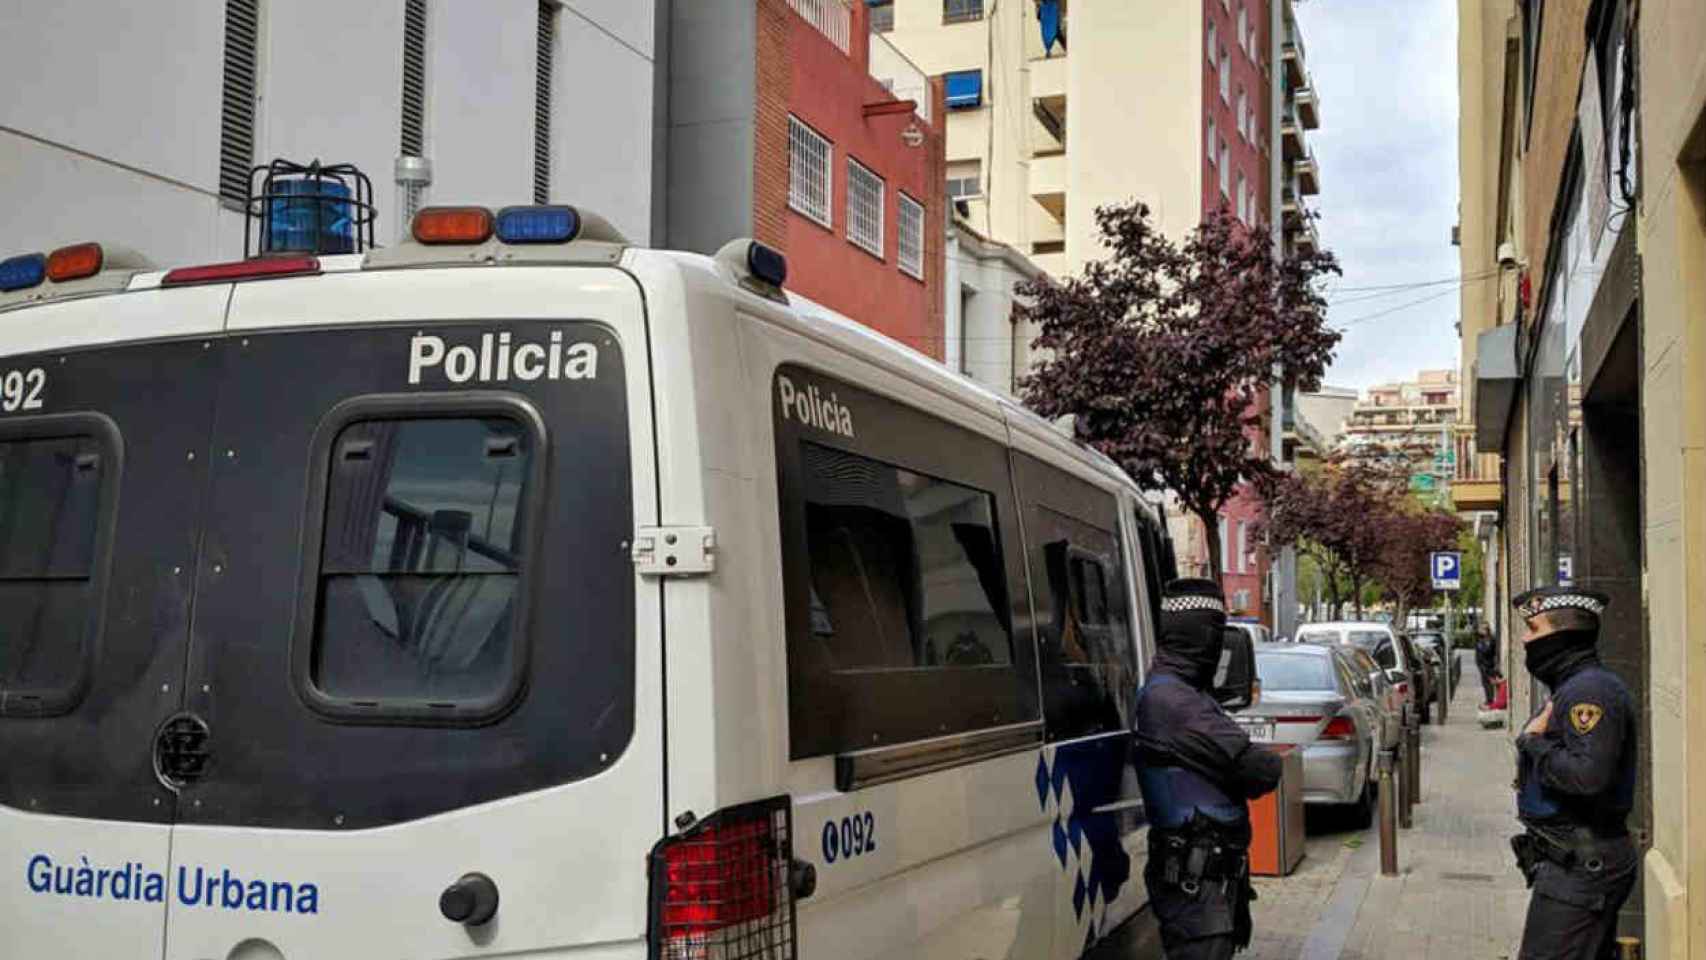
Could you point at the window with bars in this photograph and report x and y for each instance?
(882, 17)
(237, 99)
(958, 11)
(910, 220)
(547, 52)
(864, 208)
(965, 179)
(808, 172)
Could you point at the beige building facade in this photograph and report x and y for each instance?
(1583, 245)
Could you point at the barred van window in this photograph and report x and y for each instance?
(808, 172)
(422, 559)
(50, 500)
(911, 246)
(864, 208)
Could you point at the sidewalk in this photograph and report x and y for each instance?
(1458, 893)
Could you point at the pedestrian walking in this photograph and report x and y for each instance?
(1487, 663)
(1196, 769)
(1575, 782)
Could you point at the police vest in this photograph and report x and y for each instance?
(1605, 811)
(1171, 794)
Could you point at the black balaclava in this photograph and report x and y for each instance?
(1554, 657)
(1193, 625)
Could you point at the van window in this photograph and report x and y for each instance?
(51, 509)
(422, 560)
(905, 572)
(899, 549)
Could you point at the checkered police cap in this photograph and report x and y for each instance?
(1546, 599)
(1192, 596)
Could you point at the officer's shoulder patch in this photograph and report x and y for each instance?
(1585, 716)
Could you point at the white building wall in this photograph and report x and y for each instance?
(110, 130)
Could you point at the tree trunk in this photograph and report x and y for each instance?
(1211, 536)
(1356, 594)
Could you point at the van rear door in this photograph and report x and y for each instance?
(424, 659)
(102, 478)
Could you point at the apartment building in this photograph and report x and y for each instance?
(148, 143)
(790, 122)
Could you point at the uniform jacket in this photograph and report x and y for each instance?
(1581, 771)
(1179, 725)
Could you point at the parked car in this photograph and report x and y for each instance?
(1441, 644)
(1385, 694)
(1391, 650)
(1316, 697)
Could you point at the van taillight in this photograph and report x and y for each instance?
(1339, 728)
(721, 888)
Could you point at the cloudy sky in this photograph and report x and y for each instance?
(1386, 73)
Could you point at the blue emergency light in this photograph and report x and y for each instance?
(538, 224)
(309, 214)
(22, 272)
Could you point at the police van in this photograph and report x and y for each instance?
(514, 590)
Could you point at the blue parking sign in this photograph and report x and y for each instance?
(1447, 570)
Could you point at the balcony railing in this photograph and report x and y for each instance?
(832, 18)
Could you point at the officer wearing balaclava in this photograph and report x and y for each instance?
(1575, 782)
(1196, 768)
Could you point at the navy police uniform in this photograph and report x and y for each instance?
(1575, 788)
(1196, 768)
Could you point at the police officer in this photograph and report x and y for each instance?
(1196, 768)
(1575, 782)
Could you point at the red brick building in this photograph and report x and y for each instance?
(818, 159)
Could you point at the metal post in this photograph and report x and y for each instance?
(1388, 816)
(1414, 750)
(1405, 820)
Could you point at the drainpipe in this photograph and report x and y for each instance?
(952, 320)
(1285, 563)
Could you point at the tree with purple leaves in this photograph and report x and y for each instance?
(1337, 515)
(1162, 353)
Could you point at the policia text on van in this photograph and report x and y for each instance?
(572, 598)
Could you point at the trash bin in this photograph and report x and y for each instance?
(1276, 820)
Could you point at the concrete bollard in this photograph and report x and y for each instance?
(1388, 815)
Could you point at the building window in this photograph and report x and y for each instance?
(959, 11)
(1044, 247)
(965, 179)
(1225, 548)
(1213, 42)
(882, 17)
(1243, 198)
(1225, 77)
(1244, 115)
(1244, 28)
(1243, 547)
(808, 172)
(864, 208)
(910, 253)
(1225, 170)
(1209, 143)
(963, 89)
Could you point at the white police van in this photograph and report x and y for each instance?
(522, 592)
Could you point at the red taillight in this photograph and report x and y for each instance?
(1403, 689)
(242, 270)
(1339, 728)
(725, 883)
(74, 262)
(453, 225)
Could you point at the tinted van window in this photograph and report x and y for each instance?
(422, 559)
(50, 512)
(905, 570)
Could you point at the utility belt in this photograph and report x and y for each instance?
(1202, 853)
(1572, 848)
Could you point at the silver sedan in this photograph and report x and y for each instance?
(1314, 698)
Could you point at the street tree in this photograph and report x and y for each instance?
(1161, 352)
(1410, 535)
(1337, 516)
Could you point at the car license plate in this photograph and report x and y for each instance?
(1258, 730)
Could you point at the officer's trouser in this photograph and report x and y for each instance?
(1572, 914)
